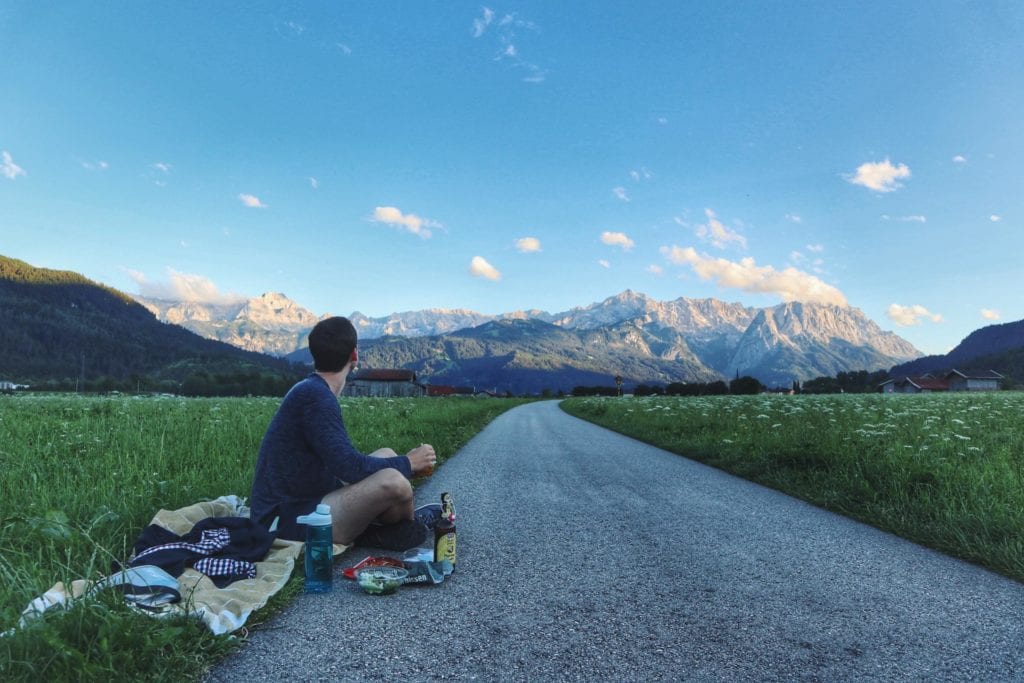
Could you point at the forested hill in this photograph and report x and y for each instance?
(994, 347)
(59, 329)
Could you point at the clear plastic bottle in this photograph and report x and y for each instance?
(319, 549)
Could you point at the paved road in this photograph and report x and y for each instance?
(585, 555)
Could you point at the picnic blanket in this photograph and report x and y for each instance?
(223, 610)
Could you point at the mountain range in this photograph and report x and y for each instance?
(630, 334)
(58, 328)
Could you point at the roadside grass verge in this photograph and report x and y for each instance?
(943, 470)
(82, 476)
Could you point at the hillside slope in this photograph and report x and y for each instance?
(58, 326)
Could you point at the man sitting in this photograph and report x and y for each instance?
(307, 458)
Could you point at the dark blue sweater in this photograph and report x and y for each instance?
(306, 452)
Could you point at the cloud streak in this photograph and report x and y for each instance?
(390, 215)
(183, 287)
(479, 267)
(908, 316)
(528, 244)
(617, 239)
(252, 201)
(789, 284)
(506, 34)
(880, 176)
(8, 168)
(990, 314)
(717, 234)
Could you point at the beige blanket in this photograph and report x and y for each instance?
(222, 609)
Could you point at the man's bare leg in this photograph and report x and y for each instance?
(385, 496)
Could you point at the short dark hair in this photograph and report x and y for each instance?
(331, 341)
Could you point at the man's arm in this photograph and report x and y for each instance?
(329, 439)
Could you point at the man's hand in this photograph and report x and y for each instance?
(422, 458)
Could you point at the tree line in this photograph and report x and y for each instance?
(852, 382)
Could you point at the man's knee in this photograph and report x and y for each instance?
(394, 485)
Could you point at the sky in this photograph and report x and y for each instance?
(394, 156)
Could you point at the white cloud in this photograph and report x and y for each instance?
(345, 49)
(662, 120)
(655, 269)
(528, 244)
(990, 314)
(796, 256)
(617, 239)
(795, 218)
(183, 287)
(816, 248)
(408, 222)
(95, 166)
(161, 166)
(314, 183)
(959, 159)
(995, 218)
(642, 174)
(252, 201)
(604, 263)
(907, 316)
(479, 267)
(481, 23)
(506, 38)
(905, 219)
(880, 176)
(715, 233)
(788, 284)
(8, 168)
(620, 193)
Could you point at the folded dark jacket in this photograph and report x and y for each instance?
(224, 548)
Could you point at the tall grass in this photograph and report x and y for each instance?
(944, 470)
(82, 476)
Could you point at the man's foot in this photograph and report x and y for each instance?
(403, 535)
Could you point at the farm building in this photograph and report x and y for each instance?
(925, 384)
(954, 380)
(979, 381)
(444, 390)
(384, 383)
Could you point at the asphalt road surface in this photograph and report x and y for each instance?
(584, 555)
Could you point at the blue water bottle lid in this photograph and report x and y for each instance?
(322, 516)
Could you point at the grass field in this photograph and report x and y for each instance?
(81, 478)
(944, 470)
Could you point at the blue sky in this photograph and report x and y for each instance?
(393, 156)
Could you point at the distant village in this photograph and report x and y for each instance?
(402, 383)
(954, 380)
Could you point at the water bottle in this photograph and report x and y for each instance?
(319, 549)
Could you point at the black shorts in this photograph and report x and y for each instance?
(288, 511)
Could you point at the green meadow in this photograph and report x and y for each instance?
(944, 470)
(82, 476)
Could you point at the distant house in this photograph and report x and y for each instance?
(384, 383)
(443, 390)
(979, 381)
(925, 384)
(10, 387)
(954, 380)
